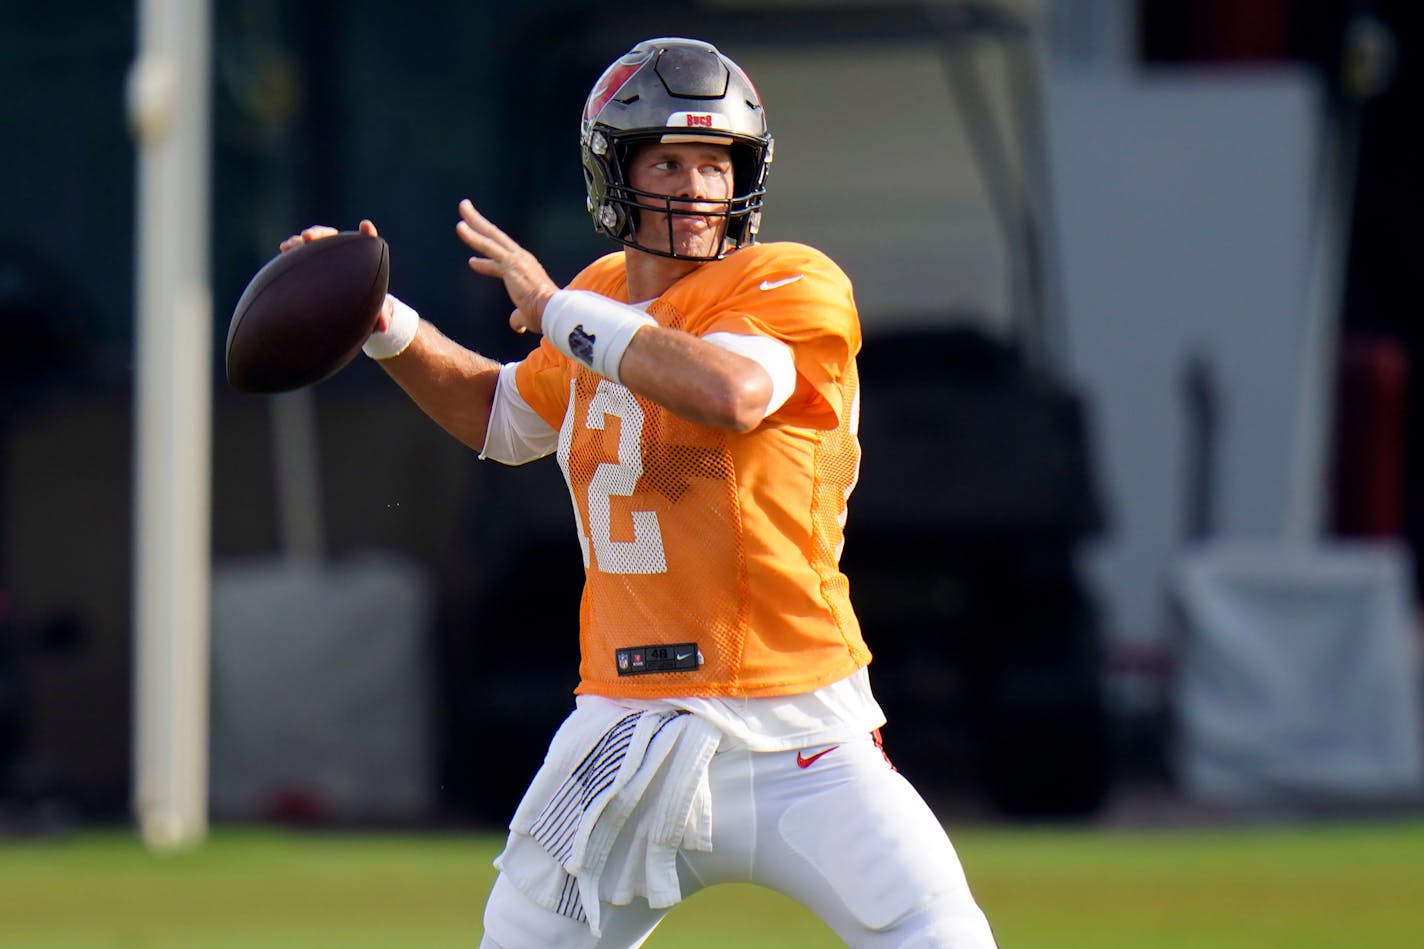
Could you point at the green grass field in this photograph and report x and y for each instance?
(1333, 885)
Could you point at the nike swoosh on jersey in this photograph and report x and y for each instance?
(804, 762)
(773, 284)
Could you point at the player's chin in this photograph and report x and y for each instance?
(682, 245)
(698, 239)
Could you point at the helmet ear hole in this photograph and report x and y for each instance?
(614, 219)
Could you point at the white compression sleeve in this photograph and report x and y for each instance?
(771, 354)
(516, 433)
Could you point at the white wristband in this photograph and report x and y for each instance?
(405, 322)
(592, 329)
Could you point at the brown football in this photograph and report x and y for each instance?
(306, 313)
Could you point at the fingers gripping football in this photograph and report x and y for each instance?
(308, 311)
(320, 231)
(309, 234)
(500, 256)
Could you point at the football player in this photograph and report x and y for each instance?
(699, 391)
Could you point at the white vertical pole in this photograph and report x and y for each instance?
(295, 451)
(168, 112)
(1308, 492)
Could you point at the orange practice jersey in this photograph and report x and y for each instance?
(712, 556)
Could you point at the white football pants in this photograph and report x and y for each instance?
(844, 835)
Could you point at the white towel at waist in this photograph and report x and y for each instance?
(620, 792)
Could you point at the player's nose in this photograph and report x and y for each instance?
(693, 187)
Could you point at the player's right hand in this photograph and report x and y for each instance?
(318, 231)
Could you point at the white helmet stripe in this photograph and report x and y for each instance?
(698, 120)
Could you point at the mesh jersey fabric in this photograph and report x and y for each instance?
(722, 541)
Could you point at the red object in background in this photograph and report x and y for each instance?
(1369, 437)
(1226, 31)
(1231, 31)
(295, 805)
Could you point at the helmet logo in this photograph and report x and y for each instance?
(698, 120)
(755, 100)
(608, 86)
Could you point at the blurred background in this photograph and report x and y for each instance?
(1140, 494)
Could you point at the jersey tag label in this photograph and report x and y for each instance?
(641, 660)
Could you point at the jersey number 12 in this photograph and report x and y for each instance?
(644, 553)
